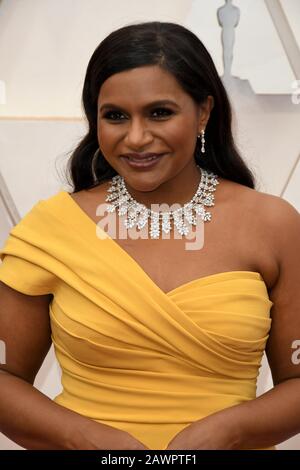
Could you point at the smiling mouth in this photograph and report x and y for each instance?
(142, 162)
(143, 159)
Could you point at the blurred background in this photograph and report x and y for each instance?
(45, 46)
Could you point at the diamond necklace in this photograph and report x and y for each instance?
(138, 214)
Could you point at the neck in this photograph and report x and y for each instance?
(177, 190)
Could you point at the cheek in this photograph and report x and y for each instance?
(107, 135)
(180, 131)
(182, 141)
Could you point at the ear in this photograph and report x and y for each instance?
(204, 112)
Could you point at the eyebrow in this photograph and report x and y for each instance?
(149, 105)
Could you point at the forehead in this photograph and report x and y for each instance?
(142, 84)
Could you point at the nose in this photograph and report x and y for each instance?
(138, 136)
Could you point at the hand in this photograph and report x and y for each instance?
(100, 436)
(210, 433)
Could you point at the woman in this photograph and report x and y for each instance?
(159, 340)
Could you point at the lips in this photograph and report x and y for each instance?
(146, 157)
(143, 163)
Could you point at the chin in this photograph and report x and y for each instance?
(143, 182)
(142, 186)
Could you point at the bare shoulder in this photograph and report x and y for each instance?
(280, 222)
(269, 227)
(276, 214)
(89, 199)
(269, 210)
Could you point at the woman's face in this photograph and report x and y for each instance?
(132, 123)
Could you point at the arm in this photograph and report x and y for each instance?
(274, 416)
(27, 416)
(263, 422)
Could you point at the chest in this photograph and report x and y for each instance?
(230, 241)
(211, 247)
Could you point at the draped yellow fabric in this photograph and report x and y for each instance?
(132, 356)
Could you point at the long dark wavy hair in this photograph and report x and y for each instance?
(180, 52)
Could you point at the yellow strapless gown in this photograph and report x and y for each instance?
(132, 356)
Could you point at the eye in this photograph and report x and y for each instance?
(165, 110)
(109, 114)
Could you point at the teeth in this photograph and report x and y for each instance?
(142, 159)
